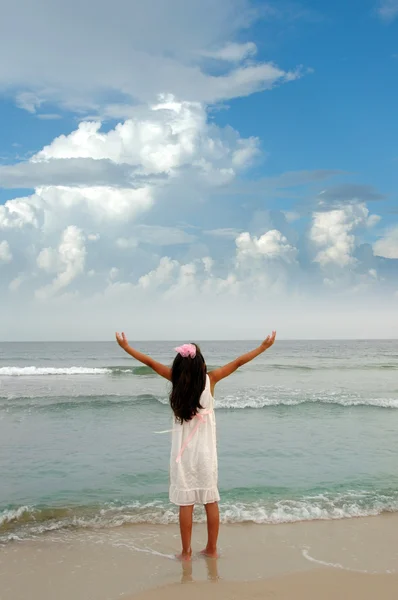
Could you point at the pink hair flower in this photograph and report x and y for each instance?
(186, 350)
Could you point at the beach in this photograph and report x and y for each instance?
(307, 443)
(331, 559)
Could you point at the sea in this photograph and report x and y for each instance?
(307, 431)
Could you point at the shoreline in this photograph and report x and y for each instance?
(105, 564)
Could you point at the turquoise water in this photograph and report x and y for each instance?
(307, 431)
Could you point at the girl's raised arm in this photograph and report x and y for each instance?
(160, 369)
(226, 370)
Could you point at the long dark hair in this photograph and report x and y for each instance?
(188, 376)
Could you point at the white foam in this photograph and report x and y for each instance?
(32, 371)
(135, 548)
(324, 563)
(306, 554)
(294, 398)
(293, 512)
(320, 507)
(9, 516)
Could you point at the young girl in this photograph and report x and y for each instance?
(193, 462)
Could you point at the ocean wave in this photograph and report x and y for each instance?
(337, 365)
(50, 403)
(259, 402)
(142, 370)
(248, 399)
(26, 522)
(43, 371)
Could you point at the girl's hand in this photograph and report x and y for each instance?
(146, 360)
(122, 340)
(267, 343)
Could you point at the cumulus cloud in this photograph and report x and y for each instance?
(332, 234)
(161, 275)
(117, 174)
(272, 246)
(387, 245)
(18, 213)
(5, 252)
(160, 138)
(67, 261)
(53, 206)
(161, 153)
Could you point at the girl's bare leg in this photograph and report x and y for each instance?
(186, 517)
(213, 526)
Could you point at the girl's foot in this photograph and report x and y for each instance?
(184, 556)
(210, 552)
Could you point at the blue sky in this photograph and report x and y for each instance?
(245, 155)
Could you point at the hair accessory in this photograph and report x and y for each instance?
(186, 350)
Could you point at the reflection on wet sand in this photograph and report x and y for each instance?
(212, 570)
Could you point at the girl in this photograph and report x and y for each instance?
(193, 462)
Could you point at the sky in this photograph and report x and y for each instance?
(198, 170)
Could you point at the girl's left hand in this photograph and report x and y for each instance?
(122, 340)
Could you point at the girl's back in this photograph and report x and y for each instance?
(193, 461)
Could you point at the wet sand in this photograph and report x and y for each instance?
(355, 558)
(313, 585)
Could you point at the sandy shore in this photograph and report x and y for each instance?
(314, 585)
(351, 559)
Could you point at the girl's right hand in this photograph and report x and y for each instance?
(122, 340)
(267, 343)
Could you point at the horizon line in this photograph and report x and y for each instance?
(88, 341)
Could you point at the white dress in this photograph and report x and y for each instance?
(193, 461)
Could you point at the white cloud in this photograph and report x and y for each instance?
(68, 261)
(388, 9)
(144, 49)
(387, 246)
(185, 281)
(161, 138)
(48, 260)
(28, 101)
(272, 245)
(18, 213)
(332, 234)
(53, 206)
(174, 136)
(163, 274)
(373, 220)
(208, 264)
(5, 252)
